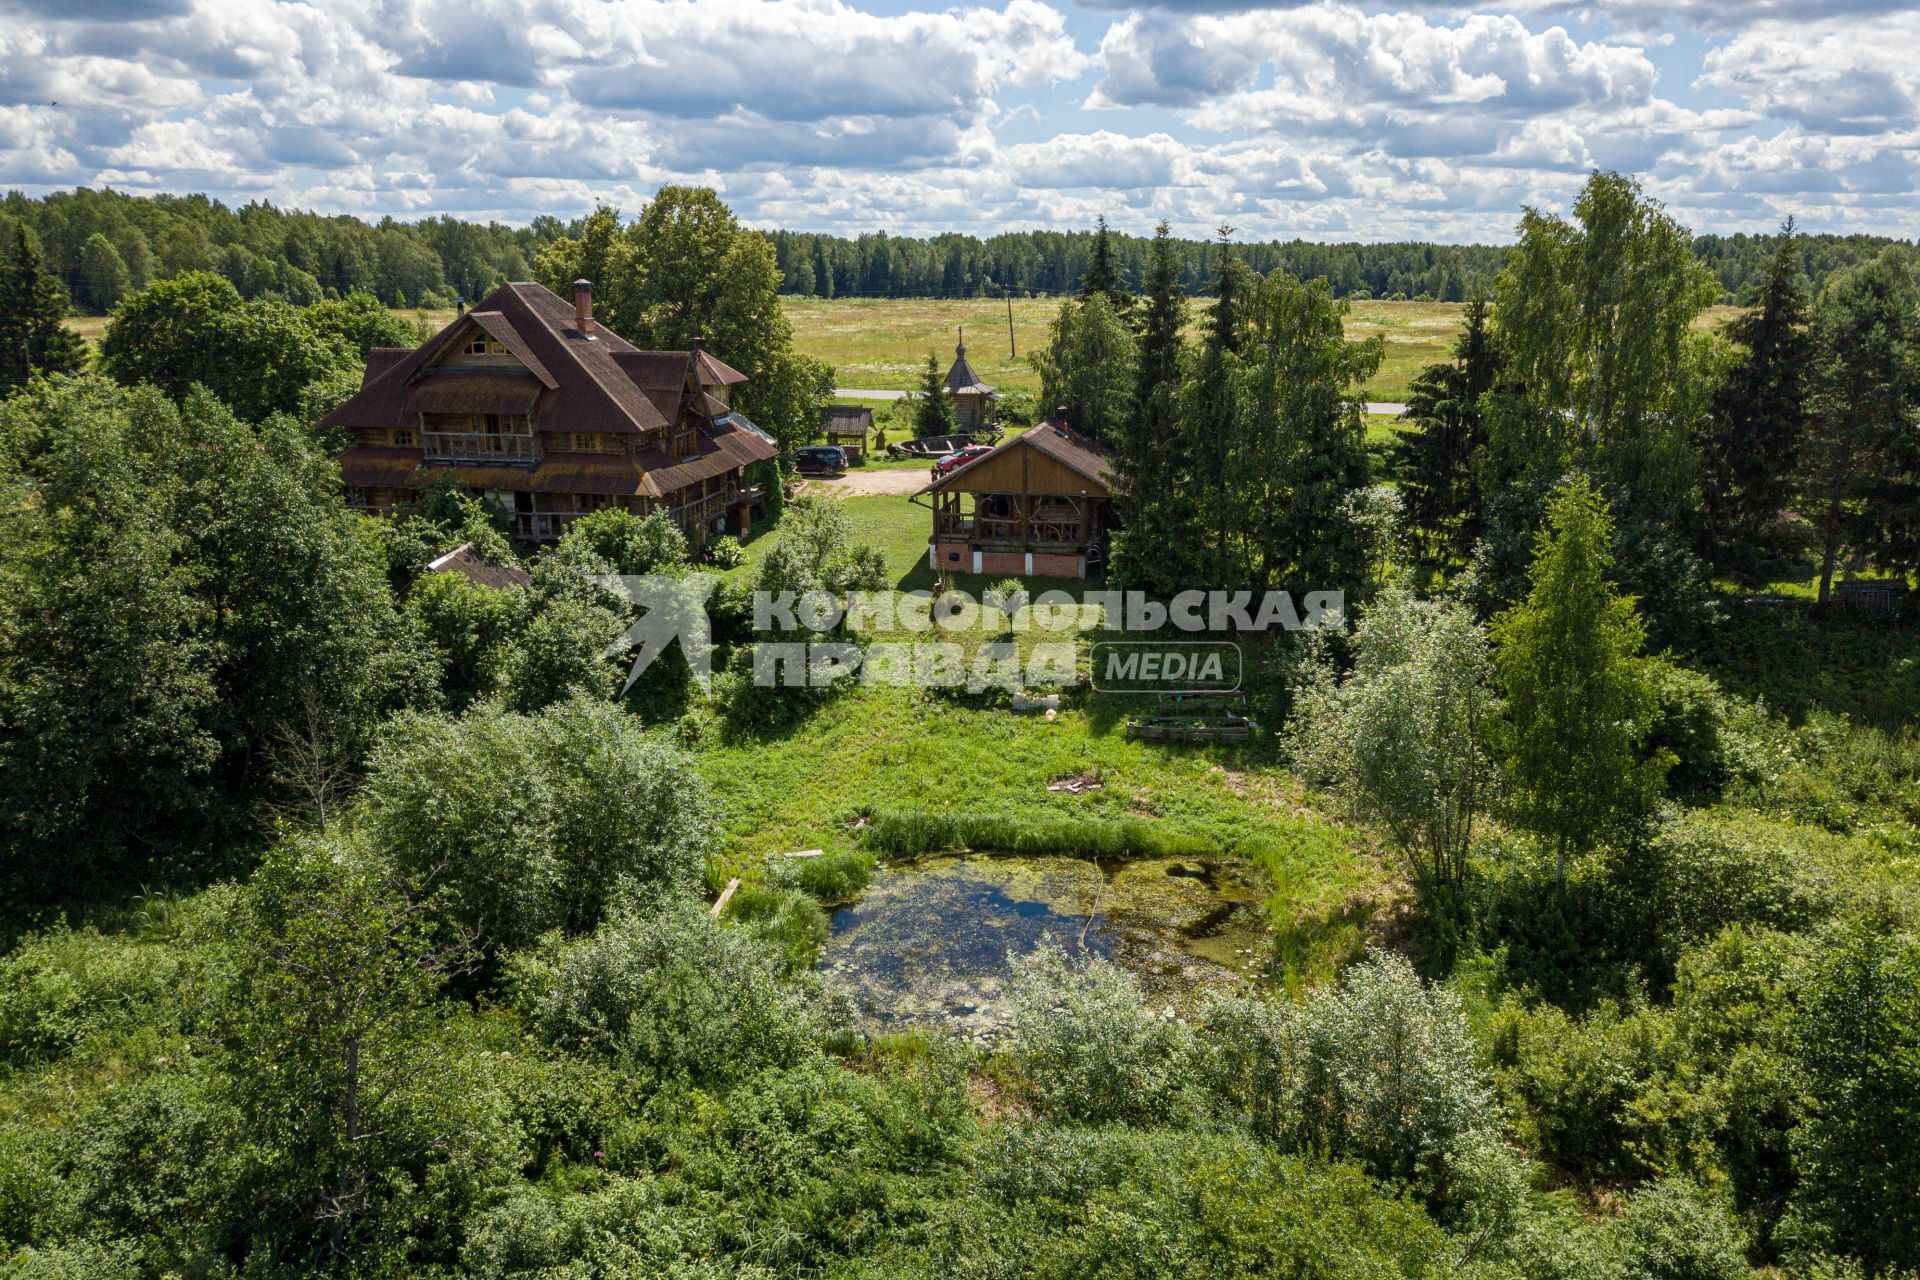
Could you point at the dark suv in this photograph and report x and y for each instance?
(820, 460)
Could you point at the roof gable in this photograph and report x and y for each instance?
(1080, 454)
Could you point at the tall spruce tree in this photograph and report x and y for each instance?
(1750, 446)
(1861, 478)
(1161, 522)
(34, 337)
(1297, 455)
(1206, 411)
(1103, 273)
(1442, 432)
(932, 407)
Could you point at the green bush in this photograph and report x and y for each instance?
(534, 822)
(788, 921)
(725, 552)
(1674, 1230)
(630, 544)
(1084, 1040)
(624, 1228)
(1856, 1045)
(675, 995)
(1391, 1073)
(1701, 872)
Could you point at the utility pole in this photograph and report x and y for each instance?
(1012, 354)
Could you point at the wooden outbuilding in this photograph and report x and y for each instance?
(847, 426)
(1040, 504)
(975, 403)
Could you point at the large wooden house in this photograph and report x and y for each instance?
(1039, 504)
(532, 404)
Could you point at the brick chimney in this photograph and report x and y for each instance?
(583, 306)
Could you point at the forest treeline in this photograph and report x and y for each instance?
(103, 245)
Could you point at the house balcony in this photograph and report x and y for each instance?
(478, 446)
(986, 533)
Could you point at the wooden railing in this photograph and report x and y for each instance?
(477, 446)
(543, 526)
(1041, 534)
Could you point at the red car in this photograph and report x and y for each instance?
(961, 458)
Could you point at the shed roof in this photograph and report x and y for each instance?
(468, 563)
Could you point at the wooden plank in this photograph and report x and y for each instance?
(726, 893)
(804, 853)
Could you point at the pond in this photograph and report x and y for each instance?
(928, 943)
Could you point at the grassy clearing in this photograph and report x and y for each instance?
(930, 773)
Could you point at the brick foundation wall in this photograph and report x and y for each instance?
(1045, 566)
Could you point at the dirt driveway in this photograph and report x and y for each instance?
(868, 481)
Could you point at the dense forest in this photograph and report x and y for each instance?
(364, 919)
(104, 244)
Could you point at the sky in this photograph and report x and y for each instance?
(1327, 120)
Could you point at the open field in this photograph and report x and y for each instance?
(882, 343)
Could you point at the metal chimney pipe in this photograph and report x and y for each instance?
(583, 306)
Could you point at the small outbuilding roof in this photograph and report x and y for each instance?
(468, 563)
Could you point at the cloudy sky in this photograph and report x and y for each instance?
(1327, 120)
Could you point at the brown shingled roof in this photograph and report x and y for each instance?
(473, 391)
(599, 383)
(1081, 454)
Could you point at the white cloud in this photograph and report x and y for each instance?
(1326, 118)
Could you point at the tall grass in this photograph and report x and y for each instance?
(907, 832)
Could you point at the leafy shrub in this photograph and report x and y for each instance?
(676, 995)
(562, 653)
(59, 987)
(1857, 1048)
(725, 552)
(1599, 1093)
(1084, 1039)
(631, 544)
(534, 822)
(1689, 722)
(1674, 1230)
(1107, 1204)
(153, 1163)
(1391, 1075)
(624, 1228)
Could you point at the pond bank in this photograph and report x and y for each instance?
(928, 944)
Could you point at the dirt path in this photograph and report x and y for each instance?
(867, 481)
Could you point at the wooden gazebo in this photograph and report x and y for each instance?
(1040, 504)
(848, 426)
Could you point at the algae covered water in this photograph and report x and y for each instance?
(929, 943)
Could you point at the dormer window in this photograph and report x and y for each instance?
(481, 345)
